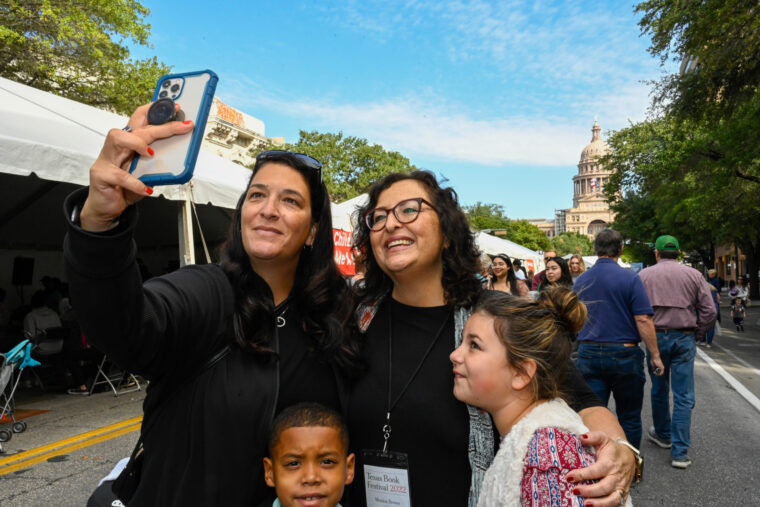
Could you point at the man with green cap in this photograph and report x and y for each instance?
(683, 313)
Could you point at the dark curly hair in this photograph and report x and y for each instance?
(319, 298)
(461, 260)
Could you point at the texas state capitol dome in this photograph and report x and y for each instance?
(590, 212)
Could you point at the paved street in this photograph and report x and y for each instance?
(725, 438)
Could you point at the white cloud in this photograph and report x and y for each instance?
(433, 130)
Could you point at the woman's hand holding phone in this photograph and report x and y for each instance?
(112, 188)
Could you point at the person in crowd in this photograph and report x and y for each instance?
(557, 272)
(485, 273)
(225, 346)
(40, 318)
(538, 277)
(577, 266)
(519, 271)
(530, 277)
(420, 286)
(683, 312)
(620, 317)
(738, 313)
(715, 293)
(52, 289)
(741, 290)
(511, 364)
(504, 278)
(714, 279)
(308, 461)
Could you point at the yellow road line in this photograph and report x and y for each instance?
(33, 456)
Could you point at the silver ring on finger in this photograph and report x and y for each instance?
(622, 497)
(128, 128)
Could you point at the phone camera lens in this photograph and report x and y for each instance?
(163, 94)
(166, 84)
(175, 88)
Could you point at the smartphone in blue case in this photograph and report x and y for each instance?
(175, 157)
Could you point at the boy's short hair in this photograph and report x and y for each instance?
(307, 414)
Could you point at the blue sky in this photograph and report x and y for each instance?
(497, 97)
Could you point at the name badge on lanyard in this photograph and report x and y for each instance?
(386, 478)
(386, 473)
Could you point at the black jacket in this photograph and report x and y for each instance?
(204, 444)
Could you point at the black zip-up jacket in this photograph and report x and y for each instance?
(205, 442)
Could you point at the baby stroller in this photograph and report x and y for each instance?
(12, 364)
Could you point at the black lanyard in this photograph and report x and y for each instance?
(392, 405)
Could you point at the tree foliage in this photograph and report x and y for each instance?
(350, 164)
(692, 169)
(78, 50)
(572, 243)
(486, 216)
(491, 216)
(528, 235)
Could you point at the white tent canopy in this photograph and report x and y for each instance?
(493, 245)
(590, 260)
(47, 145)
(342, 213)
(58, 139)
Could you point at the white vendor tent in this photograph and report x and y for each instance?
(590, 260)
(48, 143)
(342, 213)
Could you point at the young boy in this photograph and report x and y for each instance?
(738, 313)
(308, 463)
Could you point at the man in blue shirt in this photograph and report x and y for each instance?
(619, 317)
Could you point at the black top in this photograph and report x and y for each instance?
(429, 423)
(205, 430)
(304, 375)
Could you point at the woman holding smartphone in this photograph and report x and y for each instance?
(226, 346)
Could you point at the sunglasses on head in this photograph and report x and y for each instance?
(309, 161)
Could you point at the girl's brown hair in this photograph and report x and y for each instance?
(542, 331)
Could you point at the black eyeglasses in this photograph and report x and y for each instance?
(309, 161)
(405, 212)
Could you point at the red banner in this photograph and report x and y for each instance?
(344, 255)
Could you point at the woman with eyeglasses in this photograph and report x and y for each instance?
(405, 424)
(225, 346)
(504, 278)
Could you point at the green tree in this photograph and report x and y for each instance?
(572, 243)
(693, 168)
(350, 164)
(78, 50)
(486, 216)
(528, 235)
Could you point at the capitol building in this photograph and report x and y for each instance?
(590, 212)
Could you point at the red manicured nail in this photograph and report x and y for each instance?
(589, 504)
(150, 151)
(148, 190)
(585, 435)
(570, 478)
(187, 122)
(577, 492)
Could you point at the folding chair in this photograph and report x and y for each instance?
(120, 381)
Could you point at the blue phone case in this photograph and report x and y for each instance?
(183, 171)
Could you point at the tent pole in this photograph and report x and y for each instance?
(186, 240)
